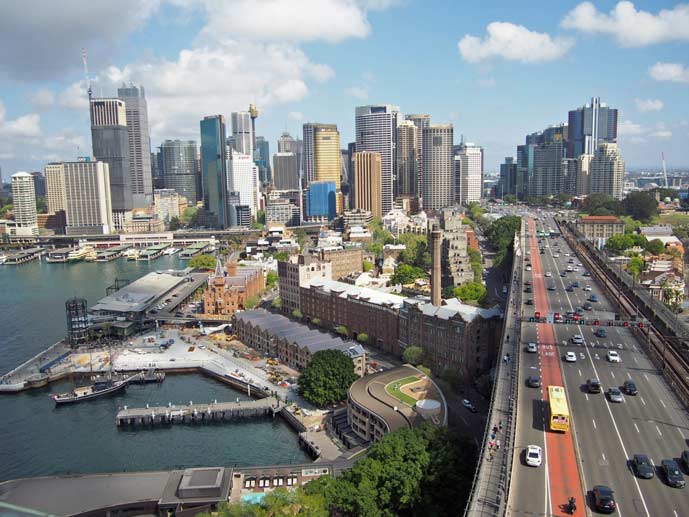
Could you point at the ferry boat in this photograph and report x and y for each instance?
(80, 254)
(102, 385)
(3, 258)
(171, 251)
(132, 254)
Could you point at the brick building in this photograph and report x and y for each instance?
(345, 261)
(295, 272)
(599, 228)
(229, 289)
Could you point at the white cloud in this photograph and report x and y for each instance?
(513, 42)
(24, 126)
(636, 133)
(644, 105)
(42, 99)
(661, 133)
(637, 140)
(295, 115)
(627, 127)
(673, 72)
(631, 28)
(358, 92)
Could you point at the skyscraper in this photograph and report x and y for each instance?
(548, 168)
(469, 174)
(368, 183)
(321, 200)
(24, 206)
(407, 166)
(285, 171)
(508, 178)
(55, 187)
(607, 171)
(287, 144)
(214, 169)
(136, 109)
(241, 132)
(525, 154)
(420, 120)
(178, 160)
(243, 178)
(438, 166)
(590, 125)
(376, 131)
(88, 207)
(262, 159)
(110, 138)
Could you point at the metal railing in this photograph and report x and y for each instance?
(491, 484)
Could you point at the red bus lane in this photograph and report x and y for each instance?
(563, 475)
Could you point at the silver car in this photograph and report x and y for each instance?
(615, 395)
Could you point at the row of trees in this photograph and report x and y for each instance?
(327, 377)
(500, 234)
(641, 206)
(422, 471)
(618, 243)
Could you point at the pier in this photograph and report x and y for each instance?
(198, 413)
(153, 252)
(194, 249)
(58, 255)
(108, 254)
(22, 256)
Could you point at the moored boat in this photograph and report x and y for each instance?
(102, 385)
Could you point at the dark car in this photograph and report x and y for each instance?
(529, 301)
(569, 289)
(586, 273)
(588, 307)
(685, 459)
(576, 284)
(601, 333)
(630, 388)
(593, 298)
(527, 289)
(642, 466)
(673, 475)
(551, 287)
(534, 381)
(603, 499)
(594, 386)
(563, 274)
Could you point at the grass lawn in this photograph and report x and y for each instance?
(673, 219)
(393, 389)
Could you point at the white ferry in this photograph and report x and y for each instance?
(171, 251)
(82, 253)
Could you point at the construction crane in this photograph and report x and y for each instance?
(88, 80)
(662, 156)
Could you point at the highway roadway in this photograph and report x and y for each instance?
(605, 434)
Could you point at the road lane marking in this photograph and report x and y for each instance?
(646, 375)
(594, 423)
(586, 395)
(629, 375)
(603, 454)
(637, 428)
(642, 401)
(681, 433)
(663, 403)
(579, 373)
(636, 360)
(658, 429)
(613, 374)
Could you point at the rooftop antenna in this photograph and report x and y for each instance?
(662, 156)
(88, 80)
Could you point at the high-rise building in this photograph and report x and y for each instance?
(469, 174)
(24, 206)
(438, 166)
(285, 171)
(548, 165)
(242, 135)
(583, 175)
(590, 125)
(508, 178)
(178, 161)
(607, 171)
(420, 120)
(55, 188)
(407, 166)
(39, 184)
(214, 169)
(168, 204)
(321, 199)
(157, 170)
(326, 156)
(87, 193)
(136, 109)
(368, 182)
(243, 178)
(287, 144)
(110, 138)
(376, 131)
(262, 159)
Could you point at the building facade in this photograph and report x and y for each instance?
(420, 122)
(168, 204)
(230, 288)
(243, 178)
(368, 183)
(298, 271)
(438, 166)
(407, 166)
(469, 174)
(242, 135)
(55, 187)
(214, 170)
(589, 126)
(343, 261)
(88, 208)
(24, 206)
(281, 210)
(599, 228)
(136, 109)
(179, 165)
(285, 171)
(548, 167)
(607, 171)
(376, 131)
(456, 263)
(321, 200)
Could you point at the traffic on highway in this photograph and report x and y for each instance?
(596, 421)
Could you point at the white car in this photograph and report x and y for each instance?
(578, 340)
(587, 288)
(533, 456)
(548, 274)
(571, 357)
(532, 348)
(528, 268)
(575, 268)
(557, 255)
(613, 356)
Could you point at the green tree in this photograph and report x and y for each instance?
(206, 262)
(376, 248)
(6, 209)
(641, 205)
(276, 303)
(368, 266)
(602, 204)
(342, 330)
(302, 237)
(636, 266)
(510, 199)
(475, 210)
(41, 206)
(252, 302)
(655, 247)
(271, 279)
(261, 217)
(406, 274)
(362, 338)
(616, 244)
(424, 369)
(413, 355)
(190, 216)
(500, 234)
(327, 377)
(281, 256)
(316, 321)
(173, 225)
(474, 291)
(631, 225)
(297, 314)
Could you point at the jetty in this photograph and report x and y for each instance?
(108, 254)
(58, 255)
(198, 413)
(153, 252)
(22, 256)
(193, 250)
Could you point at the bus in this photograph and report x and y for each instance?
(559, 411)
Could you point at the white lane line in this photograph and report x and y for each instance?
(594, 423)
(579, 373)
(603, 454)
(637, 428)
(613, 374)
(681, 433)
(663, 403)
(658, 429)
(629, 375)
(586, 395)
(636, 360)
(646, 376)
(675, 512)
(642, 401)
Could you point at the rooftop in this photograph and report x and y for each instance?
(600, 219)
(363, 293)
(140, 294)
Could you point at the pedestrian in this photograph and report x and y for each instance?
(500, 425)
(492, 453)
(497, 445)
(495, 429)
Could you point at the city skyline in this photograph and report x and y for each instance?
(481, 71)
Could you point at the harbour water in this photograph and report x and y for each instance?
(40, 439)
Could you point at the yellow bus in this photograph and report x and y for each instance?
(559, 411)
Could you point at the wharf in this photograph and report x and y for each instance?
(193, 413)
(153, 252)
(58, 255)
(106, 255)
(193, 250)
(22, 256)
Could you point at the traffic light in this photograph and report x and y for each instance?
(641, 324)
(596, 322)
(626, 323)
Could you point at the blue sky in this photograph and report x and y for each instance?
(496, 70)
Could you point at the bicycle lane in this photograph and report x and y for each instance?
(563, 478)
